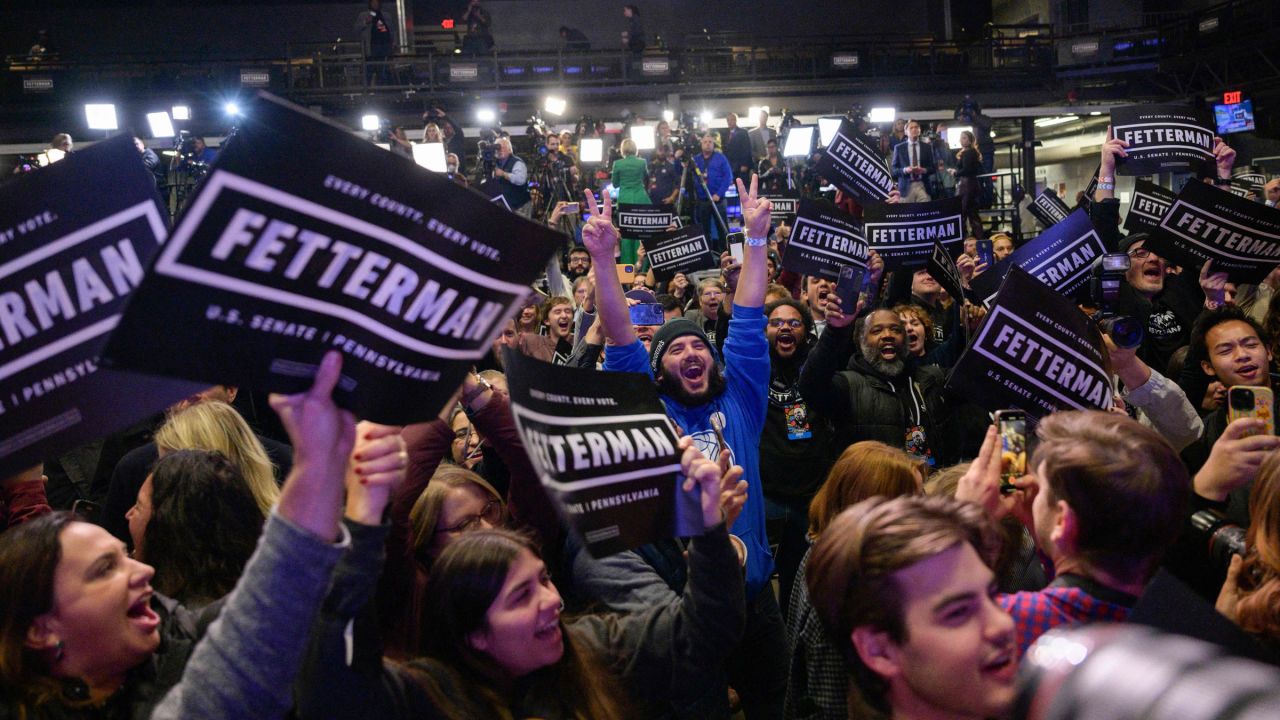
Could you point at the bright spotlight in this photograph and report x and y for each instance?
(753, 115)
(161, 125)
(883, 114)
(591, 150)
(799, 141)
(101, 117)
(486, 116)
(669, 116)
(827, 129)
(953, 135)
(370, 122)
(181, 112)
(232, 109)
(706, 118)
(431, 156)
(555, 105)
(643, 135)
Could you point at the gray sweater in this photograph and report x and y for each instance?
(245, 666)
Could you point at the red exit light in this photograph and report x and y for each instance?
(1231, 98)
(447, 23)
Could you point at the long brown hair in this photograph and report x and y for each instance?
(1259, 608)
(462, 681)
(425, 515)
(865, 469)
(29, 557)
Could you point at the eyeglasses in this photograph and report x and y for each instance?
(1140, 254)
(492, 514)
(794, 323)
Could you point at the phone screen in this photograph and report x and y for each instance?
(1012, 428)
(986, 253)
(848, 287)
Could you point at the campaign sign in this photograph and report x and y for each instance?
(1049, 209)
(606, 453)
(854, 166)
(70, 254)
(1059, 257)
(1035, 351)
(644, 221)
(943, 269)
(1241, 237)
(682, 250)
(1092, 187)
(1147, 208)
(276, 261)
(1240, 188)
(1162, 138)
(782, 208)
(822, 240)
(904, 233)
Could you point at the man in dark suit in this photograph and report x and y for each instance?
(912, 166)
(737, 148)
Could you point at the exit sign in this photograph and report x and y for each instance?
(1231, 98)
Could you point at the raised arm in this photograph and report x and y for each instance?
(601, 240)
(755, 253)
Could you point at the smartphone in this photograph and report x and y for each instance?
(735, 242)
(1011, 426)
(570, 208)
(848, 285)
(1251, 401)
(647, 314)
(986, 253)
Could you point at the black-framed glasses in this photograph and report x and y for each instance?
(1140, 253)
(492, 514)
(793, 323)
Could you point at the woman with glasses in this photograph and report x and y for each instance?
(440, 503)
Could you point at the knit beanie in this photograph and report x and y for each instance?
(667, 334)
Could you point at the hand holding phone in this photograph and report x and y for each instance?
(1012, 428)
(1254, 402)
(986, 253)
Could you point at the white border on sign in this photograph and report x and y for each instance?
(1004, 362)
(795, 230)
(1119, 130)
(168, 264)
(1214, 248)
(518, 411)
(146, 210)
(866, 228)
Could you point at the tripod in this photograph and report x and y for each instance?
(702, 180)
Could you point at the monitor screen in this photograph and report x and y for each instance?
(1234, 118)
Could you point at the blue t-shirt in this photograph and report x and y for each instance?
(742, 408)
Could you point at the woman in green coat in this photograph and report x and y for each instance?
(629, 173)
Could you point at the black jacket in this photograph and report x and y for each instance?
(867, 405)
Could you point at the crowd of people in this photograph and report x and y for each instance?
(866, 554)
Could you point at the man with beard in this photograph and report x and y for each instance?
(883, 395)
(578, 263)
(557, 345)
(722, 411)
(796, 444)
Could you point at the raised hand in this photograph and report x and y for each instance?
(836, 317)
(724, 492)
(1214, 284)
(599, 235)
(755, 210)
(1111, 149)
(376, 468)
(1224, 156)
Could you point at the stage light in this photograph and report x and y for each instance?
(799, 141)
(486, 116)
(1051, 121)
(706, 118)
(181, 112)
(883, 114)
(101, 116)
(753, 115)
(643, 135)
(232, 109)
(953, 135)
(161, 125)
(431, 156)
(827, 129)
(669, 116)
(555, 105)
(370, 122)
(591, 150)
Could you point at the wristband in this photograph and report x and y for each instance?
(756, 242)
(1106, 179)
(481, 387)
(1106, 185)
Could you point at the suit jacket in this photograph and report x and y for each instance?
(902, 161)
(737, 148)
(760, 141)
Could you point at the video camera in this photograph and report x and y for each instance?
(1223, 537)
(486, 148)
(1105, 279)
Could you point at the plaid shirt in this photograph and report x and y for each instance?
(1035, 613)
(818, 680)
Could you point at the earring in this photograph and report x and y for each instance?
(59, 650)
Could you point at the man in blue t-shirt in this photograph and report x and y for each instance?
(720, 410)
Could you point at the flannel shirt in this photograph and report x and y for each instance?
(818, 680)
(1035, 613)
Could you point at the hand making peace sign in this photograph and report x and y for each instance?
(599, 235)
(755, 210)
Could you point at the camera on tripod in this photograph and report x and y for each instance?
(1105, 279)
(486, 148)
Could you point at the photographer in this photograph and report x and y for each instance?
(450, 133)
(512, 176)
